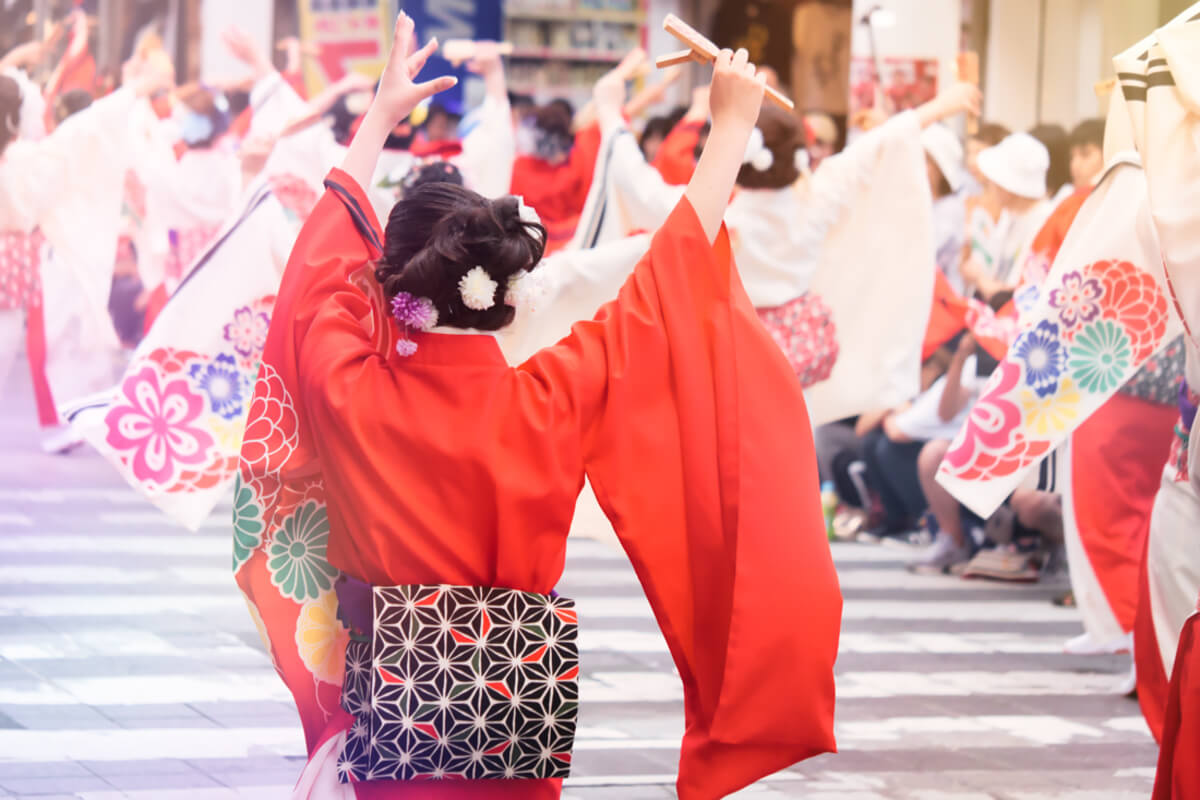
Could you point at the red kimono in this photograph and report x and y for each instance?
(451, 467)
(676, 158)
(558, 192)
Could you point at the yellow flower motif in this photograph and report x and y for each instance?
(227, 434)
(261, 627)
(1046, 416)
(321, 639)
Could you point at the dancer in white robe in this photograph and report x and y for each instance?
(846, 297)
(68, 186)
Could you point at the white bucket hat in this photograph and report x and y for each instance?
(1018, 165)
(943, 147)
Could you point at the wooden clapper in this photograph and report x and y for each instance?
(703, 51)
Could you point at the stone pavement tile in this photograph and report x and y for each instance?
(624, 792)
(1088, 706)
(57, 717)
(249, 714)
(177, 780)
(1117, 666)
(1082, 756)
(194, 721)
(8, 723)
(261, 763)
(44, 769)
(624, 762)
(1009, 784)
(149, 711)
(152, 766)
(1064, 629)
(254, 778)
(54, 785)
(10, 671)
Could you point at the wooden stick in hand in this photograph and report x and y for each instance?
(703, 50)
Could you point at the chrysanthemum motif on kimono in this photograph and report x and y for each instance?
(296, 555)
(1103, 321)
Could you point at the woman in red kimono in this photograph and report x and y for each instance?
(406, 495)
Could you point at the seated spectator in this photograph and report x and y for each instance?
(937, 415)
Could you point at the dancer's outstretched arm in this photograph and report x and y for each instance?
(398, 95)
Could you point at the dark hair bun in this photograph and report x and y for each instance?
(439, 232)
(783, 135)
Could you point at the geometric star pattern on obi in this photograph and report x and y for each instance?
(462, 683)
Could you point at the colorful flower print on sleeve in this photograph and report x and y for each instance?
(222, 381)
(296, 555)
(248, 524)
(1044, 357)
(991, 443)
(1078, 300)
(156, 426)
(1101, 357)
(247, 333)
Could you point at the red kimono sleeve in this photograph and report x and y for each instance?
(701, 455)
(280, 469)
(676, 157)
(1178, 775)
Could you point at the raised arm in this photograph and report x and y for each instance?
(398, 95)
(735, 98)
(959, 97)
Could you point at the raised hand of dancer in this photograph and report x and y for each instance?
(735, 97)
(24, 55)
(653, 93)
(149, 75)
(608, 95)
(487, 64)
(956, 99)
(398, 95)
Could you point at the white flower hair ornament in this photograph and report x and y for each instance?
(758, 155)
(525, 291)
(526, 213)
(477, 289)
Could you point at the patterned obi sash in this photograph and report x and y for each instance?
(460, 682)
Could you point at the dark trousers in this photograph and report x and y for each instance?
(892, 472)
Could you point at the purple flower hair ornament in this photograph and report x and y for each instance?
(412, 313)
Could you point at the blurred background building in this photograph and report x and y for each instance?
(1038, 59)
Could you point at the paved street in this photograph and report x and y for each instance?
(129, 668)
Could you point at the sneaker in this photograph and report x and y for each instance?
(943, 554)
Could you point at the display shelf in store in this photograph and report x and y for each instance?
(579, 15)
(567, 54)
